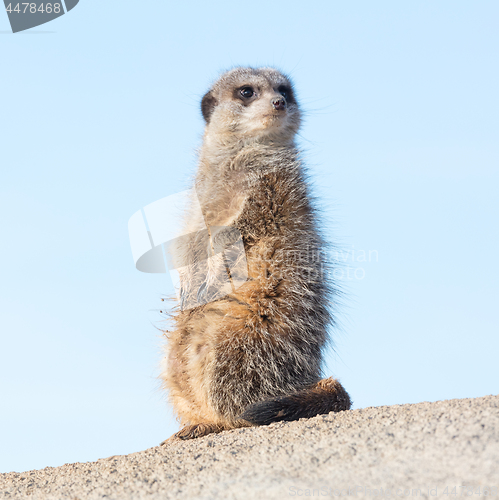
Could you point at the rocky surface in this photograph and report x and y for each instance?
(447, 449)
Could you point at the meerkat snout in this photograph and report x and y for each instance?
(279, 103)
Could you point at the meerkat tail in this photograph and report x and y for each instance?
(325, 396)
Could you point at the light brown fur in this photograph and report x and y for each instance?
(250, 349)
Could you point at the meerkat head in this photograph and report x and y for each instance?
(247, 104)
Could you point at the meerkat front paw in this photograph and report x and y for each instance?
(194, 431)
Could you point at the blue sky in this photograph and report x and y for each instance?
(100, 117)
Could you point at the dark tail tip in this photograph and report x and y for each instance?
(325, 396)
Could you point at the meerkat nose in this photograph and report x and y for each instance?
(279, 103)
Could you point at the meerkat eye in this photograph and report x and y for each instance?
(247, 92)
(284, 91)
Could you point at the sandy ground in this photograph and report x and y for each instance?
(426, 449)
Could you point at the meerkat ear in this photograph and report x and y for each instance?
(208, 104)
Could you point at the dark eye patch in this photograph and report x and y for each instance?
(286, 92)
(247, 92)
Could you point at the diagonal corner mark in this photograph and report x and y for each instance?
(70, 4)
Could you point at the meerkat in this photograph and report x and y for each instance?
(251, 355)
